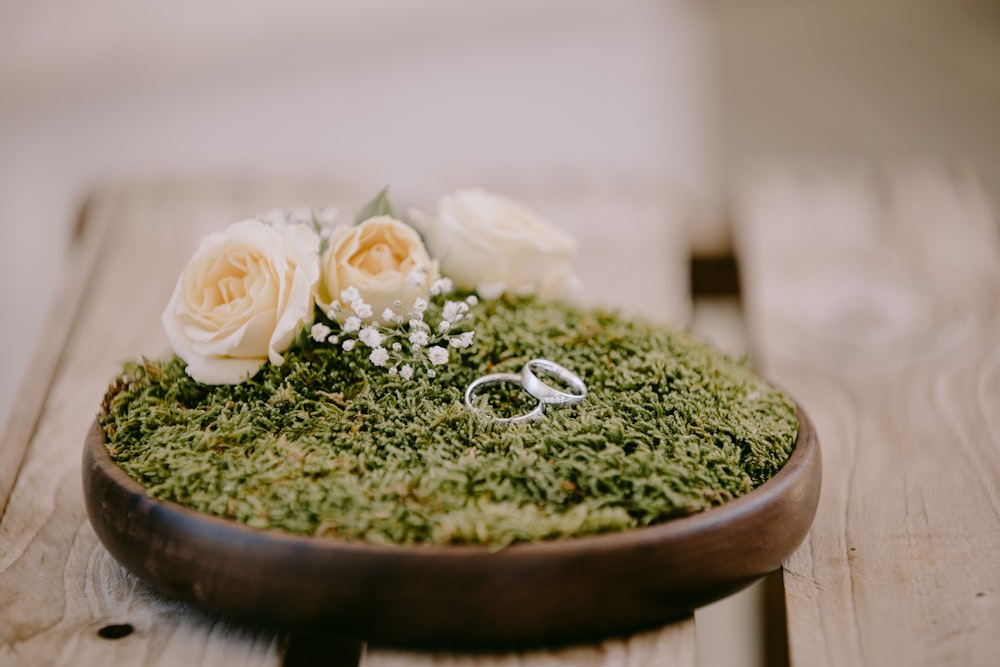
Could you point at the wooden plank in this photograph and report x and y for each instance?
(27, 406)
(874, 297)
(58, 586)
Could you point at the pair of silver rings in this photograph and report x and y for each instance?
(529, 381)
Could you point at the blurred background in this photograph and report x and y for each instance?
(687, 96)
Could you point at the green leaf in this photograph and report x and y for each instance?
(378, 206)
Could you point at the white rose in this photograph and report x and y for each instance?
(242, 298)
(494, 245)
(384, 260)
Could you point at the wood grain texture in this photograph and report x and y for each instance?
(27, 407)
(58, 586)
(874, 297)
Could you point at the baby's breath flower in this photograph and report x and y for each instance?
(406, 372)
(396, 347)
(300, 216)
(438, 355)
(418, 338)
(444, 326)
(416, 278)
(442, 286)
(472, 300)
(350, 294)
(431, 373)
(319, 332)
(275, 216)
(419, 325)
(388, 315)
(352, 324)
(363, 310)
(327, 216)
(394, 370)
(454, 311)
(379, 356)
(463, 340)
(349, 344)
(371, 337)
(419, 307)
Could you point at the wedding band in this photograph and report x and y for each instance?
(546, 393)
(499, 378)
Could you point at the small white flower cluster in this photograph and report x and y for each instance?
(324, 217)
(322, 221)
(402, 341)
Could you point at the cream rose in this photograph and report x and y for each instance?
(494, 245)
(384, 260)
(242, 298)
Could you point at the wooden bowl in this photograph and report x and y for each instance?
(462, 596)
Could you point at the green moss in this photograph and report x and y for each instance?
(329, 445)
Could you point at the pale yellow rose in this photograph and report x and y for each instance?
(242, 299)
(384, 260)
(493, 244)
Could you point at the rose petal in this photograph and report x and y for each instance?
(495, 244)
(378, 258)
(241, 299)
(216, 370)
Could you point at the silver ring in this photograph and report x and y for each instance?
(499, 378)
(547, 393)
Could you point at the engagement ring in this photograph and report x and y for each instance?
(546, 393)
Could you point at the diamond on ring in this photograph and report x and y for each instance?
(545, 392)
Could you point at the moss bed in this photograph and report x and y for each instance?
(329, 445)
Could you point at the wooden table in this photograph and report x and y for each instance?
(872, 296)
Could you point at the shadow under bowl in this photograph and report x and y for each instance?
(538, 593)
